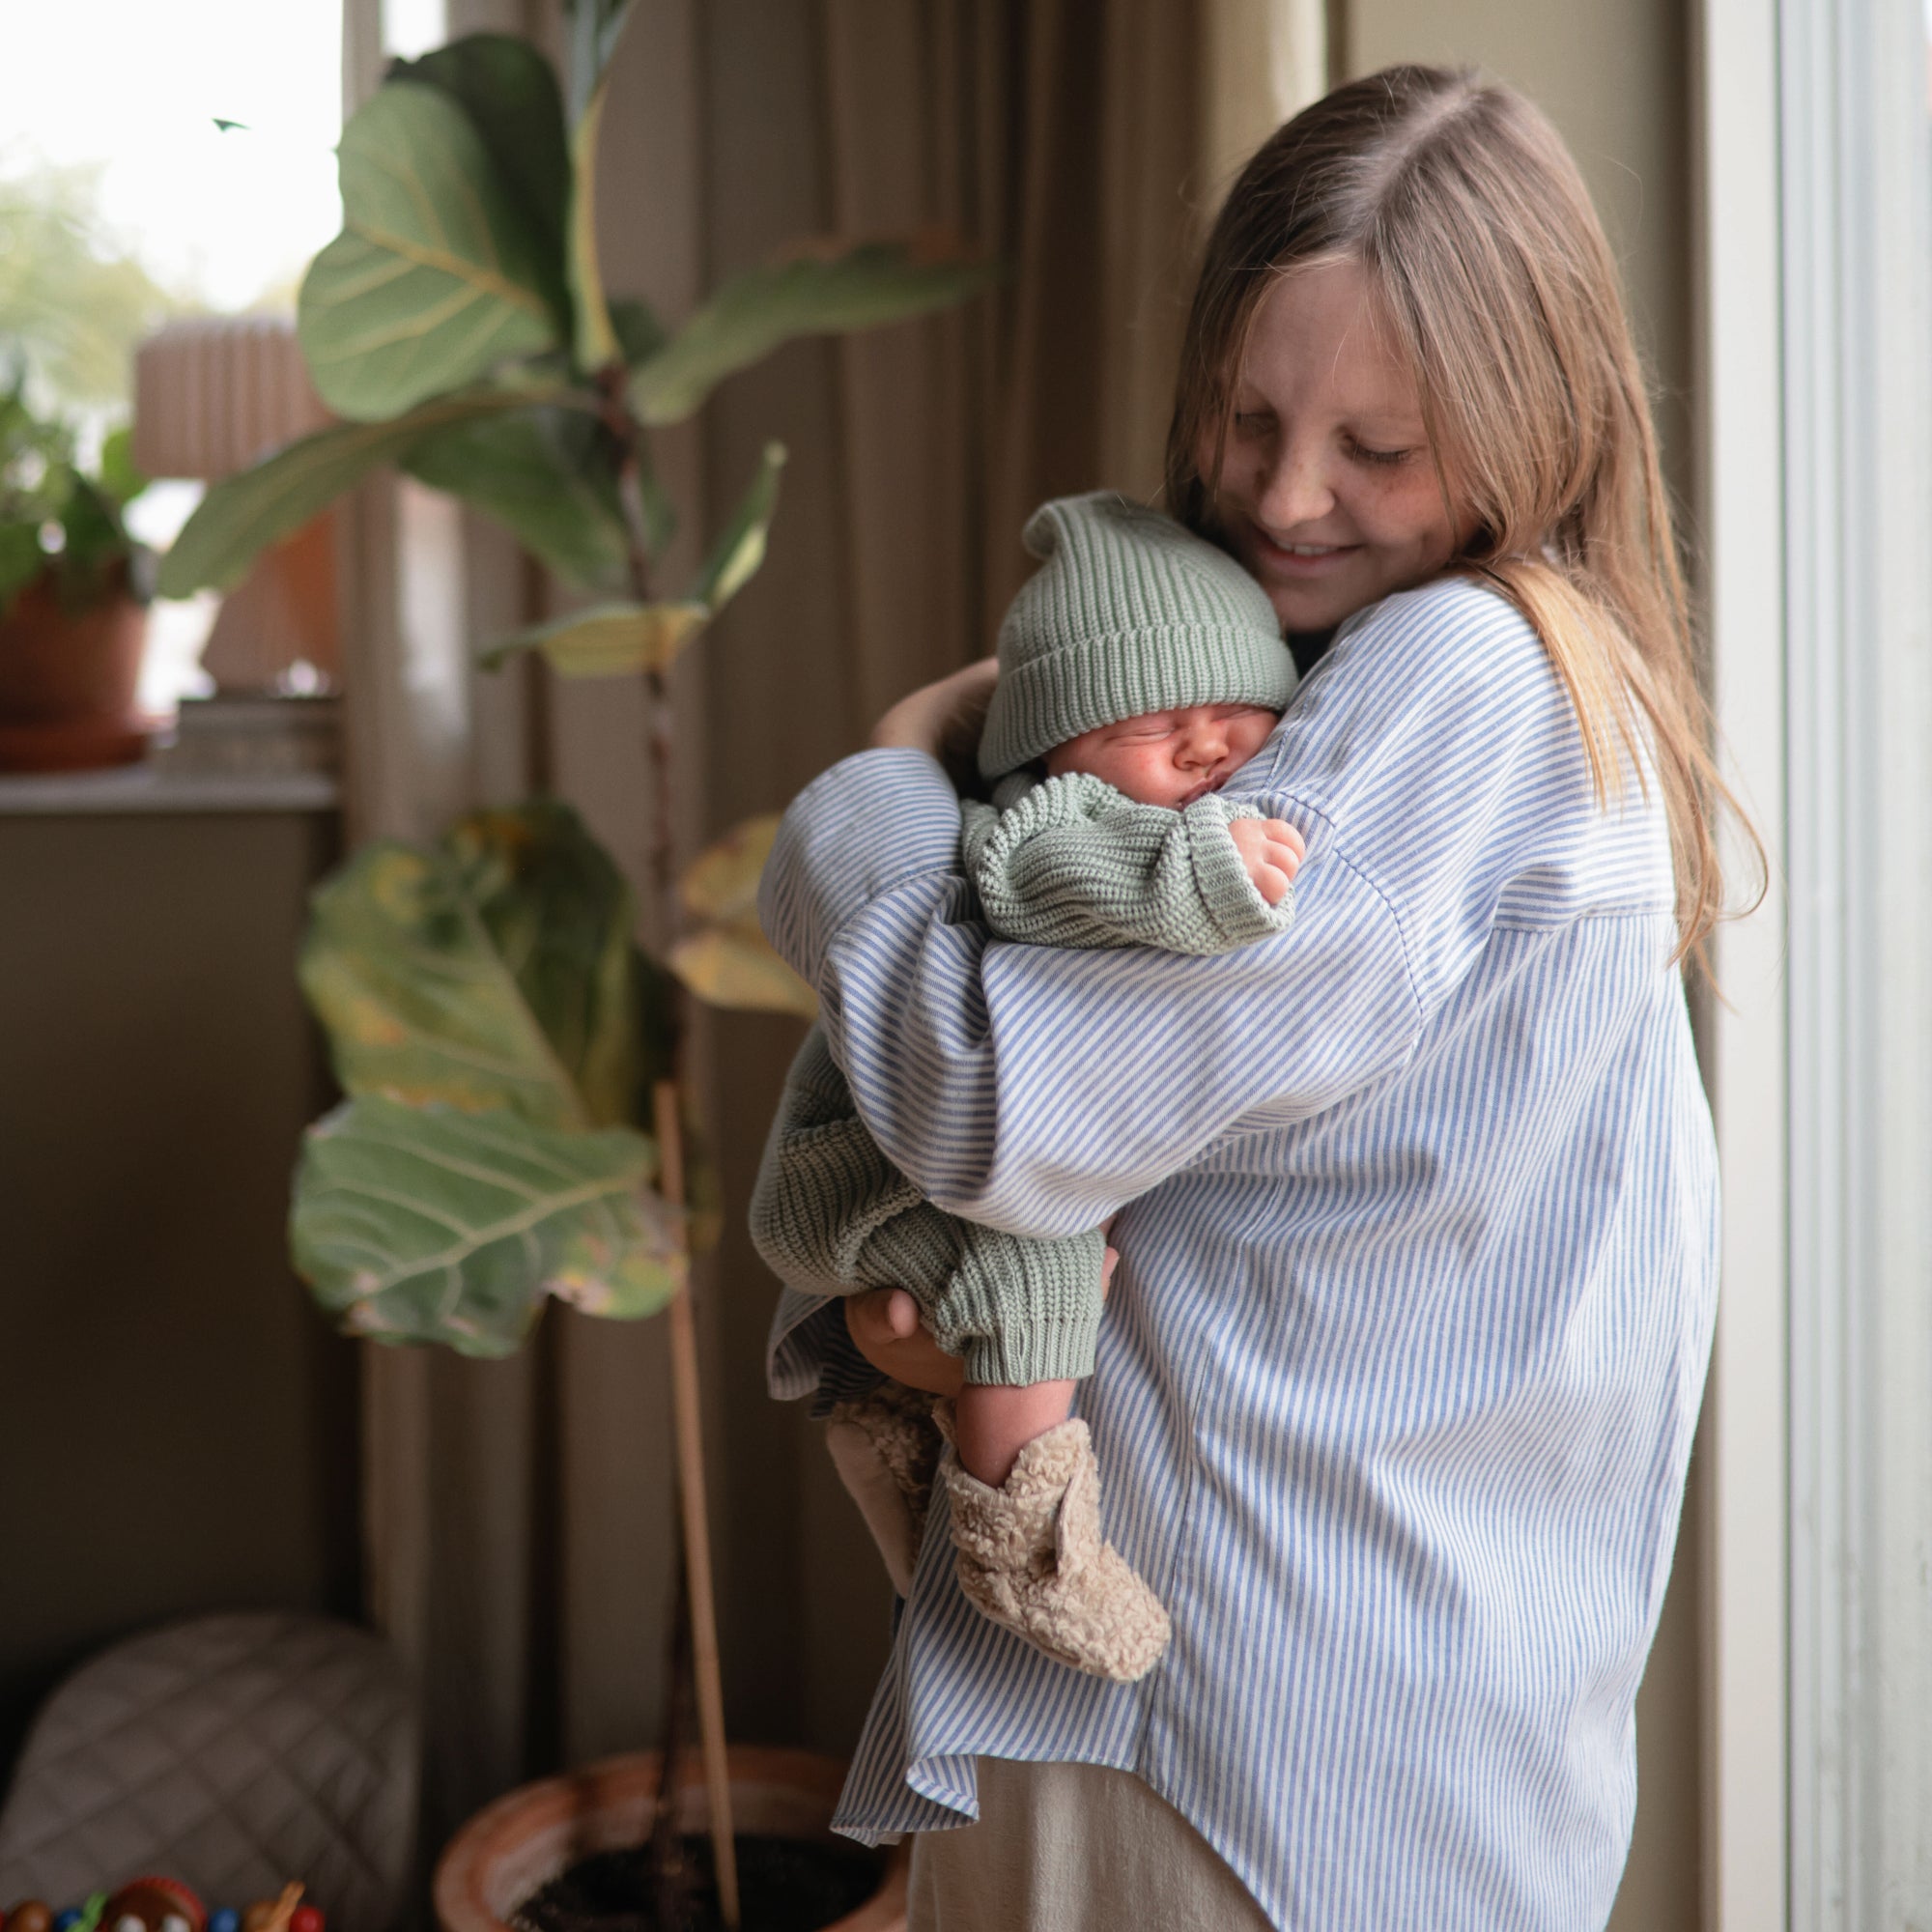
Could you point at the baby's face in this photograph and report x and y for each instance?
(1167, 757)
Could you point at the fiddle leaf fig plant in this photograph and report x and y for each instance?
(485, 1007)
(514, 1127)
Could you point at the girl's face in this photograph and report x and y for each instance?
(1327, 489)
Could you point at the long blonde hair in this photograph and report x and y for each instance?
(1489, 267)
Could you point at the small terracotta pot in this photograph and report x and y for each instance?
(527, 1837)
(68, 680)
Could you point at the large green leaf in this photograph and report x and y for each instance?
(428, 1224)
(242, 514)
(491, 971)
(640, 333)
(559, 915)
(510, 94)
(418, 1001)
(547, 475)
(436, 276)
(830, 291)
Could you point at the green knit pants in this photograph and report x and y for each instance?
(832, 1215)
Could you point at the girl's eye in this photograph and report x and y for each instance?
(1364, 454)
(1252, 422)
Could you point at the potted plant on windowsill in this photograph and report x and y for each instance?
(73, 590)
(515, 1124)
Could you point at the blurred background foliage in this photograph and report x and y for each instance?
(75, 298)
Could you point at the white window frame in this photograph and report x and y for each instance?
(1817, 270)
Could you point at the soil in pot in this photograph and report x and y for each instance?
(785, 1885)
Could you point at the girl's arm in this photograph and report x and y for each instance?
(1428, 763)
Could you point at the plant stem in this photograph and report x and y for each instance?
(700, 1654)
(658, 728)
(697, 1523)
(670, 1880)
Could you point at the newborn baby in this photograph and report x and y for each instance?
(1140, 668)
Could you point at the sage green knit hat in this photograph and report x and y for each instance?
(1128, 613)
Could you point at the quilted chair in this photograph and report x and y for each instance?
(233, 1752)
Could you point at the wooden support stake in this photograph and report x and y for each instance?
(696, 1524)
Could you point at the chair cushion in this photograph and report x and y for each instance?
(233, 1752)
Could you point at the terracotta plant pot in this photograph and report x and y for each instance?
(68, 680)
(524, 1840)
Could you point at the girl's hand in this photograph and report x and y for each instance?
(945, 718)
(885, 1328)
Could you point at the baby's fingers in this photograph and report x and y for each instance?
(1270, 851)
(1281, 832)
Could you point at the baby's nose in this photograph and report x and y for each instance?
(1203, 742)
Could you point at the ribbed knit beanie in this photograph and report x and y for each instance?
(1128, 613)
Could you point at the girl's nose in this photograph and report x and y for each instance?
(1296, 491)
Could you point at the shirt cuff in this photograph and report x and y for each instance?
(811, 1351)
(1232, 900)
(873, 821)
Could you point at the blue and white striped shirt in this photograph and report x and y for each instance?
(1397, 1384)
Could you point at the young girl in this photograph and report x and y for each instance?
(1417, 1200)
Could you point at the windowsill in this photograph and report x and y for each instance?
(157, 787)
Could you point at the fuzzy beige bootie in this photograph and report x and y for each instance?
(886, 1448)
(1032, 1559)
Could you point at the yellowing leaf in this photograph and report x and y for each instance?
(740, 550)
(610, 639)
(723, 881)
(427, 1224)
(734, 966)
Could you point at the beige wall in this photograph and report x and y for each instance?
(1612, 75)
(176, 1424)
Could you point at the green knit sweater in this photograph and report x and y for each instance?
(1066, 862)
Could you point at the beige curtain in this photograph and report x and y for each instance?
(519, 1512)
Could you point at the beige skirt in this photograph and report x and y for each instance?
(1073, 1848)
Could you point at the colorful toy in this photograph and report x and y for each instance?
(152, 1904)
(273, 1915)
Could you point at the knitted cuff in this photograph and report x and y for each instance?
(1232, 898)
(1022, 1311)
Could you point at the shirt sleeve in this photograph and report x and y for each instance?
(1076, 862)
(1039, 1089)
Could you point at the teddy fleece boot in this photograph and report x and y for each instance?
(1030, 1557)
(886, 1448)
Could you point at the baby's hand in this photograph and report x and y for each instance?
(1271, 849)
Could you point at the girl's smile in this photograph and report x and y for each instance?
(1327, 489)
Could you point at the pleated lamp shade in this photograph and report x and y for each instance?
(211, 396)
(214, 395)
